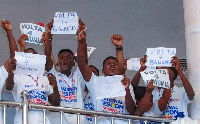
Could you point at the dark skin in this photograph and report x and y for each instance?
(146, 102)
(111, 66)
(163, 101)
(53, 98)
(12, 43)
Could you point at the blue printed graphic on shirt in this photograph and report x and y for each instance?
(112, 105)
(38, 97)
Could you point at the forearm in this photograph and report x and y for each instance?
(187, 86)
(164, 100)
(54, 98)
(82, 60)
(130, 104)
(47, 52)
(136, 79)
(10, 82)
(12, 43)
(120, 58)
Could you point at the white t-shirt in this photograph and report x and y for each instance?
(39, 90)
(177, 104)
(88, 105)
(4, 75)
(116, 104)
(71, 92)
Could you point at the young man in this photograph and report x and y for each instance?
(70, 84)
(41, 90)
(172, 102)
(110, 68)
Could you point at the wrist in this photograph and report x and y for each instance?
(119, 48)
(9, 32)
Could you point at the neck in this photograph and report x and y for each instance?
(66, 72)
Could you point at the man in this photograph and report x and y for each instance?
(169, 103)
(110, 68)
(70, 85)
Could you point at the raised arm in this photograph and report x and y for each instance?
(187, 86)
(48, 46)
(21, 42)
(12, 43)
(117, 40)
(163, 101)
(130, 104)
(10, 68)
(136, 79)
(54, 98)
(146, 102)
(82, 52)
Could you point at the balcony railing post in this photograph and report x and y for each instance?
(25, 96)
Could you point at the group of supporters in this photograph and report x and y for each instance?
(62, 87)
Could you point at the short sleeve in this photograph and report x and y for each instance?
(53, 71)
(82, 81)
(185, 96)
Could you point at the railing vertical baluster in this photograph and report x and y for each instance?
(95, 119)
(61, 117)
(145, 121)
(112, 120)
(129, 121)
(44, 116)
(78, 118)
(4, 114)
(25, 97)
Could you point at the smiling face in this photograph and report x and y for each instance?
(66, 61)
(110, 67)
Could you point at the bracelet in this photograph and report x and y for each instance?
(49, 38)
(119, 48)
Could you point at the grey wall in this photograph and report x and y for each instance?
(143, 24)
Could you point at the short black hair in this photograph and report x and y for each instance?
(174, 72)
(139, 92)
(29, 49)
(65, 50)
(110, 57)
(95, 68)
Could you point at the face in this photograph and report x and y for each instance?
(94, 71)
(65, 61)
(111, 67)
(31, 51)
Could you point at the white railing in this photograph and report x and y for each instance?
(26, 106)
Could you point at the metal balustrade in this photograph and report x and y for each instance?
(26, 106)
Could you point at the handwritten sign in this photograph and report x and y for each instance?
(160, 77)
(34, 32)
(160, 56)
(30, 64)
(65, 23)
(109, 86)
(90, 50)
(134, 64)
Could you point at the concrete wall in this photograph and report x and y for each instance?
(143, 23)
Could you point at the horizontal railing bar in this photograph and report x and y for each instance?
(98, 113)
(85, 112)
(11, 104)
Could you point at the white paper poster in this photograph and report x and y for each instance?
(34, 32)
(30, 64)
(160, 77)
(65, 23)
(90, 50)
(160, 56)
(134, 64)
(109, 86)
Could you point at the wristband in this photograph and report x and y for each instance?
(119, 48)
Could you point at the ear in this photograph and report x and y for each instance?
(102, 70)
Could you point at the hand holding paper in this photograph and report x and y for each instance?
(175, 63)
(126, 82)
(21, 42)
